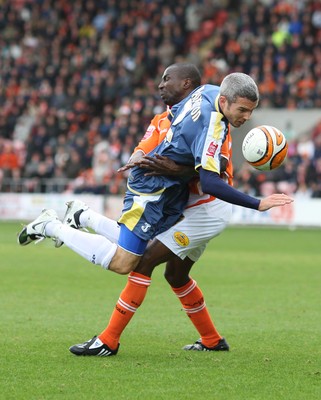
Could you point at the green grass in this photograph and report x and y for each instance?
(262, 286)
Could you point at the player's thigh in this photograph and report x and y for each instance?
(156, 253)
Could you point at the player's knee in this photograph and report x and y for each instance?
(146, 264)
(121, 269)
(123, 262)
(176, 278)
(170, 277)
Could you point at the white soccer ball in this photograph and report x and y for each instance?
(265, 147)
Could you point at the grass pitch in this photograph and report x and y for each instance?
(262, 287)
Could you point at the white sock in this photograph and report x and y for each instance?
(51, 227)
(100, 224)
(95, 248)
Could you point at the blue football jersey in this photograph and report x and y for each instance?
(195, 137)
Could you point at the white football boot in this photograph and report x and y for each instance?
(35, 231)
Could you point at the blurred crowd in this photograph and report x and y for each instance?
(78, 82)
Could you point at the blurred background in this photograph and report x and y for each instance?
(78, 87)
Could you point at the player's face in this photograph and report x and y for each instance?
(172, 88)
(238, 112)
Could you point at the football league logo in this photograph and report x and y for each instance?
(181, 239)
(149, 132)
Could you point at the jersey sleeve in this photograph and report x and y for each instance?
(208, 145)
(154, 134)
(212, 184)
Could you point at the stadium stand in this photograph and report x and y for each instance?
(79, 82)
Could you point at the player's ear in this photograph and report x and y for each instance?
(222, 101)
(187, 83)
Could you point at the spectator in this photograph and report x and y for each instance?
(9, 164)
(313, 177)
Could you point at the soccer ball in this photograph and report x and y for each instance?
(265, 147)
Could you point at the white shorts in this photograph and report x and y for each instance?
(189, 237)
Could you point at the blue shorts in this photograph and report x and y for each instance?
(130, 242)
(147, 215)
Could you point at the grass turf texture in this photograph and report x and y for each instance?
(262, 287)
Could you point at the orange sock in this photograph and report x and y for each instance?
(191, 297)
(130, 299)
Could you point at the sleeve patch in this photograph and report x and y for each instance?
(211, 150)
(149, 132)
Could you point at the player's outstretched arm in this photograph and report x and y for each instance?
(275, 200)
(214, 185)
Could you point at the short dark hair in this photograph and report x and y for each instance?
(188, 71)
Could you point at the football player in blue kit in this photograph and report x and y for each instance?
(152, 204)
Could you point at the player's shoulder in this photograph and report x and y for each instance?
(159, 117)
(197, 106)
(205, 96)
(210, 92)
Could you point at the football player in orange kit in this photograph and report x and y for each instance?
(181, 246)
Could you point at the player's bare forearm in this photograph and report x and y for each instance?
(161, 165)
(275, 200)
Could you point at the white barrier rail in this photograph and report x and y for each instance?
(302, 212)
(25, 207)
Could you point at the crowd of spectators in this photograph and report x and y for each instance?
(78, 81)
